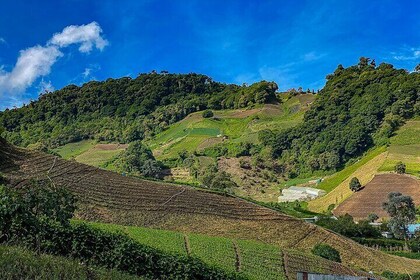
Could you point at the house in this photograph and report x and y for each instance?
(412, 229)
(387, 234)
(300, 194)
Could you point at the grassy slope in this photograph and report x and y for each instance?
(18, 263)
(257, 260)
(405, 147)
(195, 132)
(337, 185)
(87, 152)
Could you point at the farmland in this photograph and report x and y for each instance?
(361, 204)
(196, 133)
(253, 259)
(108, 197)
(91, 153)
(405, 147)
(338, 184)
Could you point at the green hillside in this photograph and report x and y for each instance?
(17, 263)
(195, 133)
(253, 259)
(405, 147)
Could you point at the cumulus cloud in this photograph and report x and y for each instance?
(36, 62)
(88, 35)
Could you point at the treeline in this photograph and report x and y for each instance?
(125, 109)
(359, 107)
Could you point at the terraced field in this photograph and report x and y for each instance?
(370, 199)
(108, 197)
(89, 152)
(253, 259)
(405, 147)
(196, 133)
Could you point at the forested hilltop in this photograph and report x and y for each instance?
(124, 109)
(359, 107)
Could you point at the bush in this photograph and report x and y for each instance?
(400, 168)
(327, 252)
(355, 184)
(208, 114)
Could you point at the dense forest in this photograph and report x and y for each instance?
(359, 107)
(125, 109)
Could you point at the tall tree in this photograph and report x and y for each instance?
(402, 210)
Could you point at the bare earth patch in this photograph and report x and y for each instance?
(370, 199)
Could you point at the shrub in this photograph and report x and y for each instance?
(327, 252)
(400, 168)
(208, 114)
(355, 184)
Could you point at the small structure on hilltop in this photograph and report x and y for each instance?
(300, 194)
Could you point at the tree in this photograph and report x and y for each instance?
(400, 168)
(355, 184)
(327, 252)
(151, 168)
(372, 217)
(208, 114)
(402, 210)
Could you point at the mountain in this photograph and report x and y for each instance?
(109, 197)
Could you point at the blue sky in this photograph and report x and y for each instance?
(49, 44)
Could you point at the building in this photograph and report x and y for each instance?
(300, 194)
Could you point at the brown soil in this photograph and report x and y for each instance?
(370, 199)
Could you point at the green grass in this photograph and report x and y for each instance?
(214, 251)
(405, 147)
(85, 152)
(333, 181)
(238, 125)
(97, 158)
(258, 261)
(261, 261)
(167, 241)
(17, 263)
(73, 150)
(410, 255)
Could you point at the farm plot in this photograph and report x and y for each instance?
(110, 197)
(405, 147)
(370, 199)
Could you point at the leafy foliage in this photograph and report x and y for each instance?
(124, 110)
(327, 252)
(400, 168)
(358, 107)
(139, 158)
(355, 184)
(208, 114)
(402, 210)
(346, 226)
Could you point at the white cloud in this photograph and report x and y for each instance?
(36, 62)
(407, 54)
(45, 86)
(32, 63)
(88, 35)
(2, 41)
